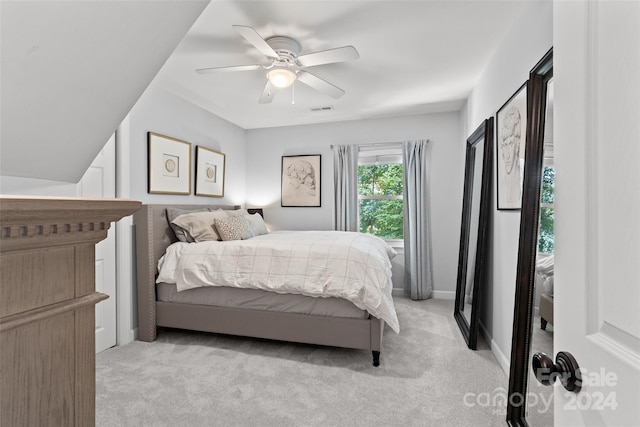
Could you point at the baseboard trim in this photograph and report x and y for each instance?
(448, 295)
(397, 292)
(501, 358)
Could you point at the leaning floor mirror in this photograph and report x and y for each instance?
(474, 231)
(539, 91)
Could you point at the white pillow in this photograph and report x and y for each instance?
(200, 225)
(234, 228)
(257, 224)
(237, 212)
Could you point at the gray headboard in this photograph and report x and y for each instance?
(153, 236)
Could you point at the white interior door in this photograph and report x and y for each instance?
(100, 181)
(597, 159)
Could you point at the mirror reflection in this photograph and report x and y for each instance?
(543, 326)
(475, 220)
(473, 231)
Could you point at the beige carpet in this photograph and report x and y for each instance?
(427, 377)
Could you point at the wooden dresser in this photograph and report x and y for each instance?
(47, 302)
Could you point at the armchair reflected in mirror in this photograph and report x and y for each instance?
(474, 231)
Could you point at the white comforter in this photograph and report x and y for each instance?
(353, 266)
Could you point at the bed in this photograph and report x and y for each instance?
(256, 312)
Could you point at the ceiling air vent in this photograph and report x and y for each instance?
(329, 108)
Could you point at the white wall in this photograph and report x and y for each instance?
(36, 187)
(265, 147)
(528, 39)
(161, 112)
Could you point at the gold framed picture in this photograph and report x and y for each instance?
(168, 164)
(209, 172)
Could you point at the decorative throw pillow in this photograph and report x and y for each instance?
(173, 213)
(234, 228)
(237, 212)
(257, 224)
(200, 225)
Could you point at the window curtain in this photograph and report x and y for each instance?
(345, 182)
(417, 235)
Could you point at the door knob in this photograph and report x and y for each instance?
(565, 369)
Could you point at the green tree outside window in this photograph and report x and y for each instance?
(545, 230)
(380, 200)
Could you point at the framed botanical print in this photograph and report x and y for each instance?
(511, 131)
(209, 172)
(168, 164)
(301, 181)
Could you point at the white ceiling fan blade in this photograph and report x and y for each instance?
(231, 68)
(320, 85)
(255, 39)
(339, 54)
(267, 94)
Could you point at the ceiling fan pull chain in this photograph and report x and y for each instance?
(293, 94)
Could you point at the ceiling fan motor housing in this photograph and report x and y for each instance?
(286, 47)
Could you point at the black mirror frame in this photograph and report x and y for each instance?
(527, 247)
(483, 133)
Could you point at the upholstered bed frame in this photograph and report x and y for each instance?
(154, 235)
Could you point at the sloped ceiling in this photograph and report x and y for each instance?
(72, 70)
(419, 56)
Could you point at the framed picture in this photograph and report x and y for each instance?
(209, 172)
(168, 165)
(301, 181)
(511, 131)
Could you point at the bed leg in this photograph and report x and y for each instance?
(376, 358)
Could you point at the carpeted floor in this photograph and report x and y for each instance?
(427, 377)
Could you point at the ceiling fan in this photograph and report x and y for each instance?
(286, 65)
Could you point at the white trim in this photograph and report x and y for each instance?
(594, 307)
(125, 273)
(382, 197)
(499, 355)
(397, 292)
(380, 159)
(446, 295)
(397, 244)
(380, 146)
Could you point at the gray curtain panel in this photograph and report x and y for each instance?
(417, 234)
(345, 181)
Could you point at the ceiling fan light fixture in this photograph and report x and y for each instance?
(281, 77)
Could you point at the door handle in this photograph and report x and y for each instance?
(565, 369)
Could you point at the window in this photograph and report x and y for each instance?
(380, 206)
(545, 229)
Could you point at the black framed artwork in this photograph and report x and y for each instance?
(300, 181)
(511, 128)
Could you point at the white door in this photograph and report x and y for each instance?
(99, 181)
(597, 159)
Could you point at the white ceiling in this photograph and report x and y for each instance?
(415, 57)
